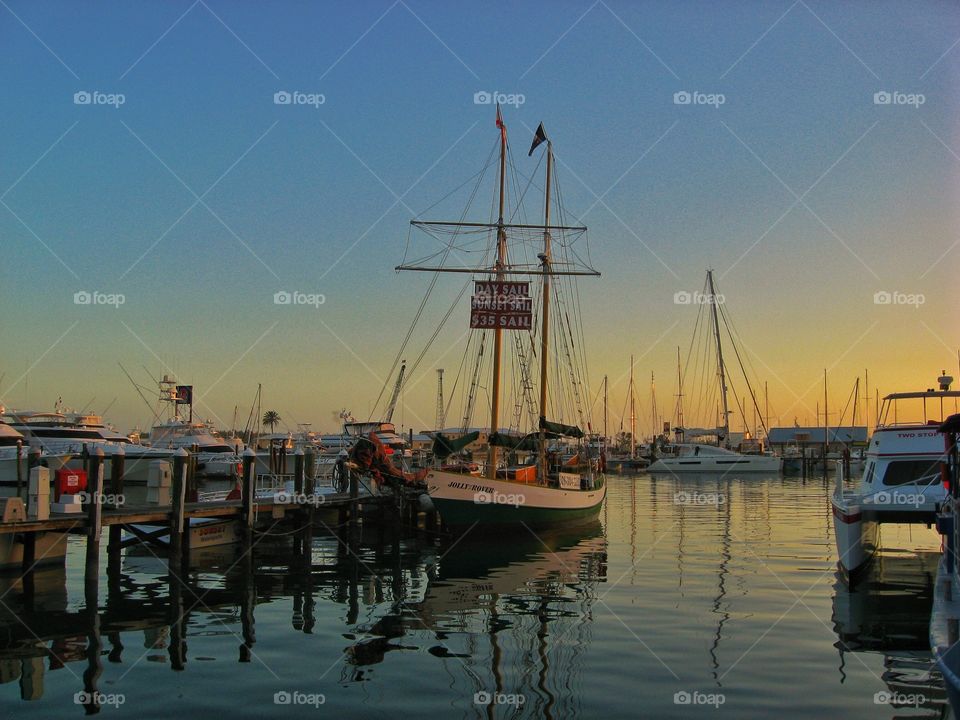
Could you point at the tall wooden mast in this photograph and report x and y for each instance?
(545, 320)
(499, 266)
(720, 368)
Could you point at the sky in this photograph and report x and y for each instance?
(814, 168)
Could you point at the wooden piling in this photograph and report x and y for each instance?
(117, 466)
(178, 498)
(248, 491)
(94, 519)
(298, 468)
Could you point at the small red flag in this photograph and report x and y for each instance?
(499, 119)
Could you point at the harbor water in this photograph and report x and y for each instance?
(692, 597)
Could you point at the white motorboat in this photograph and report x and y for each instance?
(945, 615)
(901, 482)
(702, 458)
(63, 434)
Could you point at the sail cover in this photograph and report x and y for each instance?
(561, 429)
(444, 446)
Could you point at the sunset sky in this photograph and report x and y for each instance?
(815, 167)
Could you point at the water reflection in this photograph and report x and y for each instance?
(888, 612)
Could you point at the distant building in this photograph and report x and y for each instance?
(838, 437)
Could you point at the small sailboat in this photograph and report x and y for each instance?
(559, 478)
(719, 458)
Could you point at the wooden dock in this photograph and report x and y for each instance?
(173, 521)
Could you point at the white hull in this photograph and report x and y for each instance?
(857, 539)
(465, 499)
(717, 464)
(50, 548)
(205, 533)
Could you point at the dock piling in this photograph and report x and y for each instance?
(94, 518)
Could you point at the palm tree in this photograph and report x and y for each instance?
(271, 418)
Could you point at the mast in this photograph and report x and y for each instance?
(500, 267)
(545, 319)
(826, 421)
(606, 438)
(633, 416)
(680, 397)
(720, 367)
(866, 399)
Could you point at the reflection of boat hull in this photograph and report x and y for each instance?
(944, 637)
(465, 500)
(718, 464)
(51, 548)
(857, 537)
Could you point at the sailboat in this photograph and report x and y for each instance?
(719, 458)
(545, 488)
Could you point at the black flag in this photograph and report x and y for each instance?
(538, 137)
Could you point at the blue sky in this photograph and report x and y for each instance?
(306, 198)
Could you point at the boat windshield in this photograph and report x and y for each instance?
(922, 408)
(912, 472)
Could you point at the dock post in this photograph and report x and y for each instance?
(94, 519)
(298, 467)
(117, 466)
(19, 468)
(247, 494)
(178, 497)
(354, 502)
(309, 471)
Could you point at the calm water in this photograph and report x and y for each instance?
(721, 589)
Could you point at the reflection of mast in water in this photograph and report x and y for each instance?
(721, 589)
